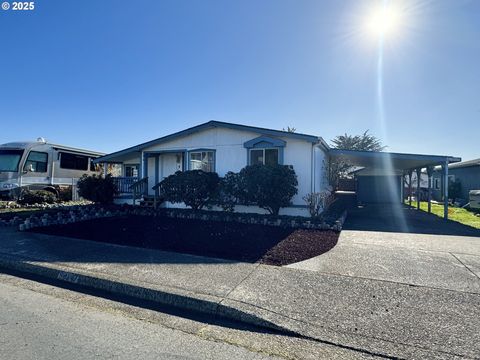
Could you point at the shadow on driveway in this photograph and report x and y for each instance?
(404, 219)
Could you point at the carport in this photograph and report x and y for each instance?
(382, 174)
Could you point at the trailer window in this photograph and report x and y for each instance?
(9, 160)
(36, 162)
(73, 161)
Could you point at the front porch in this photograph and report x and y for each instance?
(138, 173)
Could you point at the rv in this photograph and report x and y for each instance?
(40, 165)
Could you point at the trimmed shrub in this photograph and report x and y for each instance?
(30, 197)
(97, 188)
(65, 193)
(195, 188)
(269, 187)
(229, 192)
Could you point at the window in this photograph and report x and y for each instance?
(264, 156)
(202, 160)
(9, 160)
(73, 161)
(131, 170)
(36, 162)
(436, 183)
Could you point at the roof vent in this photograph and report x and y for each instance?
(41, 140)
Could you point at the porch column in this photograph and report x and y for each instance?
(157, 169)
(419, 175)
(429, 174)
(402, 180)
(144, 165)
(105, 169)
(445, 190)
(156, 181)
(410, 187)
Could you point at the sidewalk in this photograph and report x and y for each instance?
(373, 316)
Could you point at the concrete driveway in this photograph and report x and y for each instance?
(418, 249)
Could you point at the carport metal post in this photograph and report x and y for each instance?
(419, 174)
(429, 174)
(445, 190)
(410, 187)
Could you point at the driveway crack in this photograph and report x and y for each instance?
(466, 266)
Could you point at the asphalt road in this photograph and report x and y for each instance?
(40, 321)
(38, 326)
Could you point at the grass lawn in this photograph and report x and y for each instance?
(456, 214)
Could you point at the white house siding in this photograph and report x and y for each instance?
(230, 155)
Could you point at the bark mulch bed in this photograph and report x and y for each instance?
(234, 241)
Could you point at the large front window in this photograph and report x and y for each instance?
(202, 160)
(264, 156)
(9, 160)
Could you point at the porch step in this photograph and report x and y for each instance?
(147, 201)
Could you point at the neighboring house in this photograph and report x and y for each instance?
(466, 172)
(222, 147)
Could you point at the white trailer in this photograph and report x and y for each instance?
(40, 165)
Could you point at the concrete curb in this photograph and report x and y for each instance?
(180, 299)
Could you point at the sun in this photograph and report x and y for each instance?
(384, 21)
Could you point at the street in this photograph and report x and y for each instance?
(38, 326)
(39, 321)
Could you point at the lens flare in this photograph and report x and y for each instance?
(384, 21)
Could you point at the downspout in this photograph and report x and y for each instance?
(312, 168)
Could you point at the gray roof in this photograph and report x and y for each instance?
(474, 162)
(395, 161)
(213, 124)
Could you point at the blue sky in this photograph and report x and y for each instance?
(106, 74)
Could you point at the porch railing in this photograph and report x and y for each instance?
(124, 184)
(139, 188)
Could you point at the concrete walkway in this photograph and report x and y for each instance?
(374, 315)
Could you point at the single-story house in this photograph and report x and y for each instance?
(223, 147)
(466, 172)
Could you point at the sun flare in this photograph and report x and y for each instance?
(384, 21)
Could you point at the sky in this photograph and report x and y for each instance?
(106, 75)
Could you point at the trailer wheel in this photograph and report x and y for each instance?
(52, 190)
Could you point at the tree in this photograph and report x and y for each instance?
(364, 142)
(195, 188)
(290, 129)
(339, 168)
(270, 187)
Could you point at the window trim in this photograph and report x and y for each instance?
(213, 151)
(265, 142)
(38, 152)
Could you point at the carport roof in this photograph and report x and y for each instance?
(398, 161)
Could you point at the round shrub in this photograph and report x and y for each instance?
(195, 188)
(30, 197)
(97, 188)
(270, 187)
